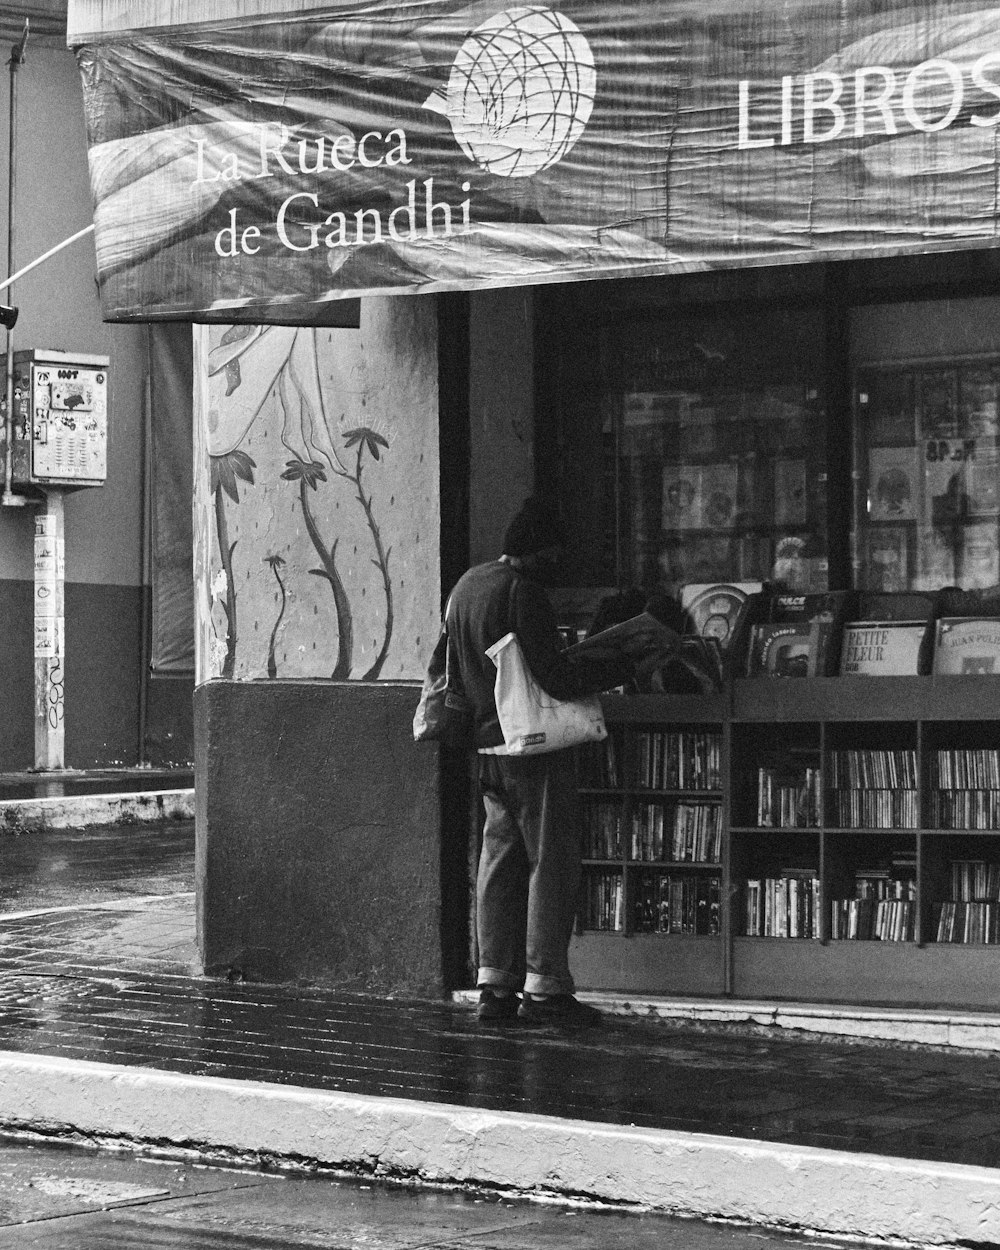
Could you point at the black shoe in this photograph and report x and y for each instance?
(561, 1010)
(497, 1008)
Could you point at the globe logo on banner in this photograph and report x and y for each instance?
(521, 91)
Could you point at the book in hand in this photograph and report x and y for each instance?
(883, 648)
(794, 649)
(651, 645)
(967, 646)
(638, 638)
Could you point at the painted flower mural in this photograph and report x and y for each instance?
(275, 563)
(270, 380)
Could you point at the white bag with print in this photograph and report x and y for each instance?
(532, 721)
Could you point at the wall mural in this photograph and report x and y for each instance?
(318, 516)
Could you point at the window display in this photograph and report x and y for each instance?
(712, 438)
(927, 470)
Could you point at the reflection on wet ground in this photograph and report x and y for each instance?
(71, 867)
(117, 981)
(94, 781)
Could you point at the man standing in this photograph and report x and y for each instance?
(529, 868)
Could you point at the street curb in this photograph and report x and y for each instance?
(978, 1031)
(759, 1183)
(79, 811)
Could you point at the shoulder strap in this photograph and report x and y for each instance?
(511, 615)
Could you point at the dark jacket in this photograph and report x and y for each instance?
(490, 601)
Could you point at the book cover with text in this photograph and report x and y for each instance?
(882, 648)
(967, 646)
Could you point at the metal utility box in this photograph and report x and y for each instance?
(60, 418)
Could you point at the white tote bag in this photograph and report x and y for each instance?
(532, 721)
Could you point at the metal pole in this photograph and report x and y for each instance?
(40, 260)
(146, 514)
(50, 634)
(16, 61)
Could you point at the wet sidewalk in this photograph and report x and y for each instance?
(108, 1030)
(118, 984)
(81, 798)
(71, 783)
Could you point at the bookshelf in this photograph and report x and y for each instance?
(847, 846)
(654, 824)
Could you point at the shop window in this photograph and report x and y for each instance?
(692, 450)
(927, 472)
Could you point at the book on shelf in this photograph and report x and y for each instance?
(884, 648)
(975, 881)
(875, 789)
(599, 763)
(965, 790)
(796, 649)
(965, 809)
(830, 607)
(863, 768)
(602, 829)
(884, 904)
(789, 797)
(785, 906)
(716, 610)
(877, 809)
(966, 645)
(967, 923)
(603, 905)
(678, 760)
(968, 768)
(680, 903)
(685, 832)
(873, 920)
(897, 882)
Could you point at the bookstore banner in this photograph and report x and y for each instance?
(272, 158)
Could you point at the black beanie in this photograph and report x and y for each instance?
(533, 529)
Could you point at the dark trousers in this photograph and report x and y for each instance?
(529, 871)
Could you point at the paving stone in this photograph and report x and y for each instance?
(213, 1210)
